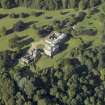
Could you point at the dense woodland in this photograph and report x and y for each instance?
(50, 4)
(77, 80)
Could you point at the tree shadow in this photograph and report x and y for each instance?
(48, 17)
(24, 50)
(81, 70)
(37, 14)
(75, 62)
(22, 37)
(63, 12)
(25, 72)
(3, 15)
(19, 27)
(62, 48)
(26, 41)
(9, 31)
(24, 15)
(30, 23)
(45, 30)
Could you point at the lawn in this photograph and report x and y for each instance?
(30, 32)
(93, 21)
(45, 61)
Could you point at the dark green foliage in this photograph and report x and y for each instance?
(23, 15)
(13, 42)
(7, 90)
(7, 3)
(13, 15)
(50, 4)
(76, 81)
(45, 30)
(80, 16)
(19, 26)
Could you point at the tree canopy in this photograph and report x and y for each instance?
(50, 4)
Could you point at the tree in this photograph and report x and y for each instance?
(7, 3)
(29, 88)
(44, 101)
(49, 4)
(19, 99)
(3, 31)
(13, 42)
(83, 4)
(19, 26)
(8, 90)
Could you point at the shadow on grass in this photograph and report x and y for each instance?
(24, 50)
(3, 16)
(26, 41)
(63, 47)
(19, 27)
(25, 72)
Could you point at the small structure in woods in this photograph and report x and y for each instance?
(30, 56)
(53, 43)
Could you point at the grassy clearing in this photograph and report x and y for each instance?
(45, 61)
(93, 21)
(41, 20)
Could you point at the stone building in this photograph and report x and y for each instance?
(30, 56)
(53, 43)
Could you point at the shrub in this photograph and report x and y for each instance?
(80, 16)
(13, 15)
(23, 15)
(63, 13)
(48, 17)
(19, 26)
(45, 30)
(37, 14)
(89, 31)
(3, 15)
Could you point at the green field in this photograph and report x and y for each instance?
(44, 62)
(8, 23)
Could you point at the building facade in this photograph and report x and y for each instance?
(53, 43)
(31, 56)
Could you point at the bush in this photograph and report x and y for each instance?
(45, 30)
(37, 14)
(3, 31)
(13, 15)
(63, 13)
(67, 22)
(89, 31)
(3, 15)
(80, 16)
(48, 17)
(23, 15)
(19, 26)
